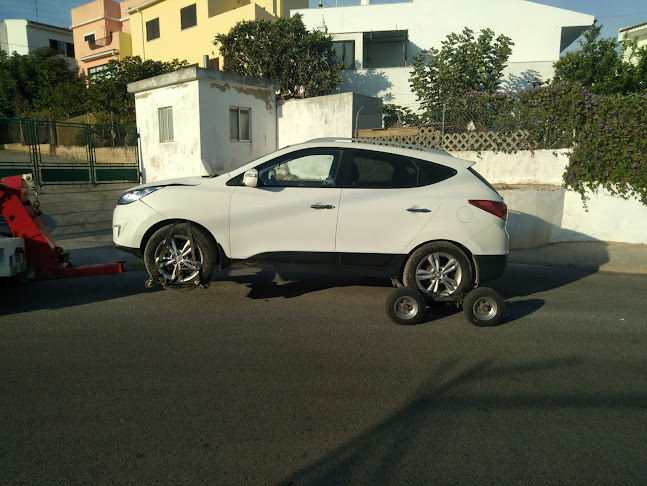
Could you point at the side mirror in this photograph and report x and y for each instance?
(250, 179)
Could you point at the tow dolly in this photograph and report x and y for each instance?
(483, 306)
(31, 245)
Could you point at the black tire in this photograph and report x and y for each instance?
(406, 306)
(484, 307)
(444, 265)
(160, 259)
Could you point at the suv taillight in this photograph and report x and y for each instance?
(498, 208)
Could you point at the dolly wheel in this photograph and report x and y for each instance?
(406, 305)
(484, 307)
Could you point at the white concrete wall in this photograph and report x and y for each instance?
(16, 37)
(323, 116)
(535, 29)
(219, 153)
(182, 156)
(541, 167)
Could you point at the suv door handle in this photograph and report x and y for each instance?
(322, 206)
(419, 210)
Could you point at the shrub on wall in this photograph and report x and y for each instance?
(611, 147)
(607, 133)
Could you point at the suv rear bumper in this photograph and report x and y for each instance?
(489, 267)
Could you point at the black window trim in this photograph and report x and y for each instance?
(337, 152)
(348, 160)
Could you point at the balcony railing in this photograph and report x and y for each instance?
(99, 43)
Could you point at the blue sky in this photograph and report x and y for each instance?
(612, 14)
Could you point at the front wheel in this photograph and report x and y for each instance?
(484, 307)
(169, 255)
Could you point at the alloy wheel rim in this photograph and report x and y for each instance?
(439, 274)
(174, 262)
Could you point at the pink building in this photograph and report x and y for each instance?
(101, 31)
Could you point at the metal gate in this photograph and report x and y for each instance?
(69, 153)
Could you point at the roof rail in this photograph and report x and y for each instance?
(377, 141)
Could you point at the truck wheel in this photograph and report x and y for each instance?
(484, 307)
(406, 305)
(168, 254)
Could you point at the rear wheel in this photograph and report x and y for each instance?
(438, 268)
(168, 254)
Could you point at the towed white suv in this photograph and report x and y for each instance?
(417, 215)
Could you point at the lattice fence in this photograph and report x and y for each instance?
(432, 137)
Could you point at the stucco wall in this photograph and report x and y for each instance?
(323, 116)
(541, 167)
(219, 153)
(163, 160)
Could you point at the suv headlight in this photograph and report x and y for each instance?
(136, 194)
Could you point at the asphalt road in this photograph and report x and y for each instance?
(255, 381)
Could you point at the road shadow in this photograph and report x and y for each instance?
(23, 295)
(461, 416)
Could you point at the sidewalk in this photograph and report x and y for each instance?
(588, 256)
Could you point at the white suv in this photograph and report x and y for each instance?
(417, 215)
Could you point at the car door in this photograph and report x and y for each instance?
(386, 200)
(292, 213)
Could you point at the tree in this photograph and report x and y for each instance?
(108, 96)
(598, 65)
(282, 50)
(463, 64)
(39, 84)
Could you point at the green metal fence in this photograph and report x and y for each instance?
(69, 153)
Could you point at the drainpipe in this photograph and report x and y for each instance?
(141, 23)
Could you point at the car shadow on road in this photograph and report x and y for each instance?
(32, 295)
(468, 415)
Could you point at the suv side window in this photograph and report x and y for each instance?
(302, 169)
(379, 170)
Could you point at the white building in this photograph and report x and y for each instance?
(378, 41)
(200, 121)
(23, 36)
(636, 33)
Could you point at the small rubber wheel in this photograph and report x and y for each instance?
(484, 307)
(406, 306)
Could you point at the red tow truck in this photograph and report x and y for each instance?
(30, 247)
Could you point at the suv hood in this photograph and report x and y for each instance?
(180, 181)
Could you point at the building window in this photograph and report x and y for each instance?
(239, 124)
(153, 29)
(188, 17)
(345, 52)
(93, 71)
(89, 38)
(166, 124)
(62, 48)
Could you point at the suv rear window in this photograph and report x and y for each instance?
(379, 170)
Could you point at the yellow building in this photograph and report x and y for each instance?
(185, 29)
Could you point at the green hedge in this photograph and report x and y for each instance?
(607, 133)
